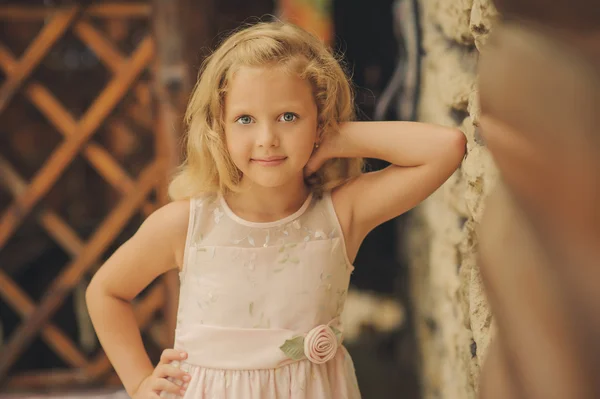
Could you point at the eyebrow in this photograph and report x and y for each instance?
(284, 107)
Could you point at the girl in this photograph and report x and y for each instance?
(271, 208)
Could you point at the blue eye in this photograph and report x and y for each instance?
(244, 120)
(288, 117)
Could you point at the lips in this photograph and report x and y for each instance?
(269, 161)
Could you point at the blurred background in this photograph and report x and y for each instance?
(92, 95)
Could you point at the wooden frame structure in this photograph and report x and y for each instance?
(28, 196)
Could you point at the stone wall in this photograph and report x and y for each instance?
(453, 320)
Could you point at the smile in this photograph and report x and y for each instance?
(271, 161)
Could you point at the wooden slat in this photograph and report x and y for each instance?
(52, 223)
(102, 47)
(61, 157)
(35, 52)
(100, 366)
(64, 122)
(106, 52)
(120, 10)
(19, 300)
(72, 273)
(61, 232)
(98, 157)
(64, 235)
(140, 115)
(102, 161)
(52, 335)
(57, 340)
(36, 379)
(106, 10)
(7, 59)
(10, 179)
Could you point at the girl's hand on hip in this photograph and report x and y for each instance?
(163, 377)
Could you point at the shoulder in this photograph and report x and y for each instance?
(170, 219)
(167, 227)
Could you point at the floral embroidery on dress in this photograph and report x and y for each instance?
(218, 215)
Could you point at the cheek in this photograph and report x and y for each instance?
(237, 147)
(304, 141)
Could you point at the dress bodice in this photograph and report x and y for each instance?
(290, 274)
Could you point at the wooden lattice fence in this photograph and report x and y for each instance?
(115, 138)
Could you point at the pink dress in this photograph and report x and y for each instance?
(260, 304)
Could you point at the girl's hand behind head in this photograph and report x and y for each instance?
(327, 147)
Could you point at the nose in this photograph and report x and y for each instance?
(268, 136)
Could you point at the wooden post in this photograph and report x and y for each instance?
(172, 22)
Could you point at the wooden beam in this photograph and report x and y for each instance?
(172, 81)
(172, 84)
(107, 10)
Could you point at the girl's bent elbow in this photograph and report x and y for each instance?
(94, 293)
(91, 293)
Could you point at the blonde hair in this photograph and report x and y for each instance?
(208, 167)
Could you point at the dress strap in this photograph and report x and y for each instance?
(190, 236)
(336, 222)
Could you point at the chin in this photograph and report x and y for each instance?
(269, 180)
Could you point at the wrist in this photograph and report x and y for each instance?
(138, 385)
(346, 141)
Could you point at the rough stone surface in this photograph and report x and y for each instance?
(451, 17)
(453, 319)
(483, 15)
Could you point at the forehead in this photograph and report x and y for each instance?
(267, 86)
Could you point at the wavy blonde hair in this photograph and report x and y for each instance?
(208, 168)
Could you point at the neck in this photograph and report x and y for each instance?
(266, 204)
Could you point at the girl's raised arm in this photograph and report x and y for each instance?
(423, 157)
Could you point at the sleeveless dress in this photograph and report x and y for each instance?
(260, 305)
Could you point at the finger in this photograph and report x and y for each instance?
(312, 166)
(169, 355)
(307, 172)
(166, 370)
(164, 385)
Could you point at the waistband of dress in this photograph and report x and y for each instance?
(254, 348)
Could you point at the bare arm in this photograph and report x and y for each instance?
(155, 248)
(423, 157)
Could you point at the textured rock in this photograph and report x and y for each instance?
(483, 15)
(451, 17)
(453, 319)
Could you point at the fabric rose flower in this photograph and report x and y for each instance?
(320, 344)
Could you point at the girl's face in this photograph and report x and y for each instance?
(270, 125)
